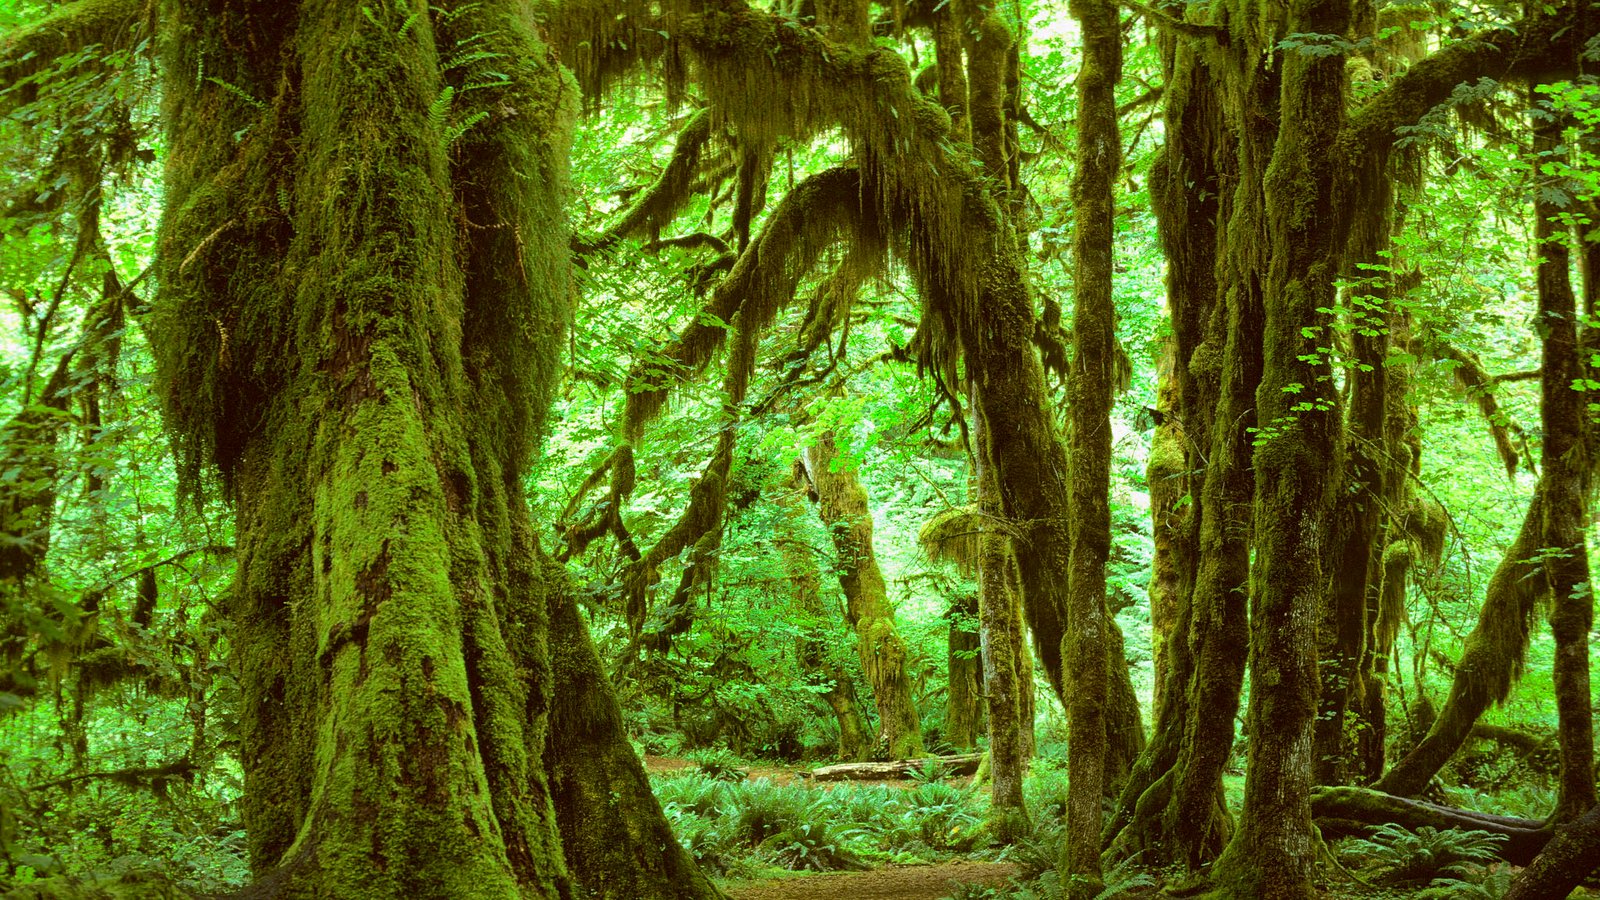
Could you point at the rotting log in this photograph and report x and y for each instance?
(965, 764)
(1357, 812)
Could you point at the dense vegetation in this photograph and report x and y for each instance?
(486, 448)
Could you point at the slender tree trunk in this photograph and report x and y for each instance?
(1297, 449)
(1567, 466)
(964, 703)
(1164, 473)
(842, 503)
(1172, 808)
(1086, 645)
(1000, 628)
(800, 564)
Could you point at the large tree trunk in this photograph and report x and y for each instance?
(369, 386)
(1570, 857)
(616, 840)
(842, 503)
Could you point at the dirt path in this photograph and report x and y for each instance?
(887, 883)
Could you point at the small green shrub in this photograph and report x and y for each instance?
(703, 838)
(697, 794)
(763, 809)
(815, 846)
(1403, 857)
(719, 764)
(931, 771)
(1036, 854)
(1493, 884)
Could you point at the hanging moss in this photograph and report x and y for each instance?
(955, 536)
(666, 197)
(817, 214)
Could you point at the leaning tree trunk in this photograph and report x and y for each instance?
(842, 503)
(369, 386)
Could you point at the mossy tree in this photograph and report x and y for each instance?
(1086, 646)
(842, 504)
(364, 290)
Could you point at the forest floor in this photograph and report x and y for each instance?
(930, 881)
(673, 765)
(888, 883)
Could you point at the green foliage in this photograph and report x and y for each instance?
(718, 764)
(816, 846)
(931, 771)
(1490, 884)
(1400, 856)
(701, 795)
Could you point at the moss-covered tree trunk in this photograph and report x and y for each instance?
(842, 504)
(364, 283)
(1087, 641)
(1565, 862)
(963, 720)
(1357, 531)
(1165, 474)
(616, 840)
(1567, 468)
(1172, 807)
(805, 579)
(1296, 453)
(1004, 682)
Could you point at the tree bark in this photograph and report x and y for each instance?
(1000, 630)
(842, 503)
(1567, 466)
(1564, 863)
(964, 706)
(805, 578)
(369, 386)
(963, 764)
(1342, 811)
(1086, 645)
(1297, 450)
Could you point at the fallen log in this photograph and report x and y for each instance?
(964, 764)
(1357, 812)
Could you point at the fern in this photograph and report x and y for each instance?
(1401, 856)
(439, 110)
(1492, 885)
(236, 91)
(467, 58)
(454, 132)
